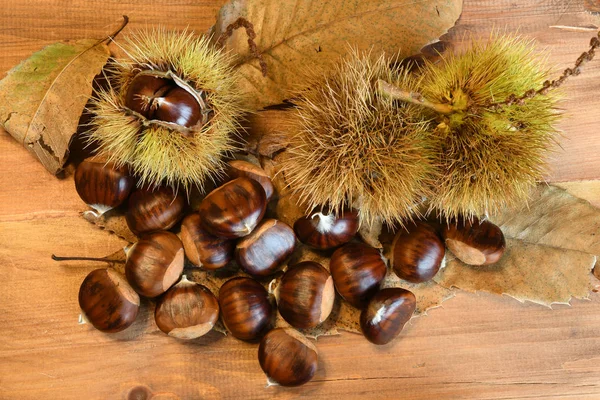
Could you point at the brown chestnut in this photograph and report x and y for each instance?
(357, 270)
(102, 186)
(262, 252)
(150, 211)
(474, 242)
(160, 98)
(202, 248)
(107, 301)
(154, 263)
(326, 231)
(386, 314)
(287, 357)
(245, 308)
(187, 310)
(234, 209)
(417, 252)
(305, 295)
(238, 168)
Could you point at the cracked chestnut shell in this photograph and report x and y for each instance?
(386, 314)
(239, 168)
(326, 231)
(417, 252)
(263, 251)
(287, 357)
(107, 301)
(202, 248)
(154, 263)
(187, 310)
(234, 209)
(305, 295)
(474, 242)
(153, 210)
(102, 186)
(245, 308)
(357, 270)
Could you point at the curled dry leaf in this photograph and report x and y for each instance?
(552, 244)
(112, 221)
(42, 99)
(298, 36)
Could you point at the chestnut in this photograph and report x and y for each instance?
(326, 231)
(287, 357)
(103, 186)
(474, 242)
(417, 252)
(160, 98)
(202, 248)
(150, 211)
(154, 263)
(357, 270)
(245, 308)
(262, 252)
(386, 314)
(187, 310)
(234, 209)
(107, 301)
(238, 168)
(305, 295)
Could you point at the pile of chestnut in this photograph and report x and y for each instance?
(229, 227)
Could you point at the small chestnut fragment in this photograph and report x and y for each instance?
(305, 295)
(150, 211)
(187, 310)
(238, 168)
(417, 252)
(474, 242)
(154, 263)
(357, 270)
(107, 300)
(262, 252)
(202, 248)
(245, 308)
(386, 314)
(287, 357)
(102, 186)
(326, 231)
(234, 209)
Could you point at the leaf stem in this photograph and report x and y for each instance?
(107, 260)
(411, 97)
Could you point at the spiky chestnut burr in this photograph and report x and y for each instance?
(349, 145)
(171, 111)
(493, 150)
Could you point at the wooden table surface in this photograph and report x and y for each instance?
(477, 346)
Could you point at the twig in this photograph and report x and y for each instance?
(411, 97)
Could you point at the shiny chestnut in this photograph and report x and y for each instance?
(187, 310)
(234, 209)
(305, 295)
(417, 252)
(153, 210)
(386, 314)
(239, 168)
(107, 301)
(474, 242)
(287, 357)
(326, 231)
(262, 252)
(357, 270)
(202, 248)
(154, 263)
(245, 308)
(103, 186)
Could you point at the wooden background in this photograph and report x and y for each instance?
(475, 346)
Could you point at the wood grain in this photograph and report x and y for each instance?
(475, 347)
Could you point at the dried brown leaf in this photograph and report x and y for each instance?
(42, 99)
(112, 221)
(297, 36)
